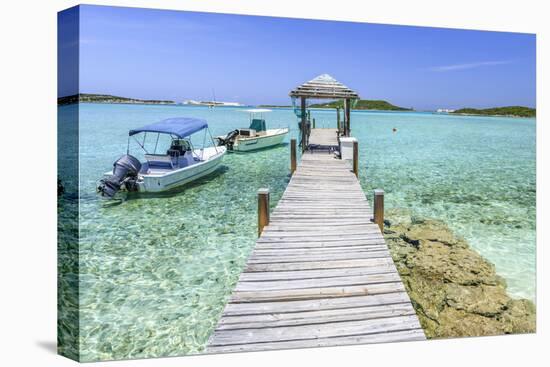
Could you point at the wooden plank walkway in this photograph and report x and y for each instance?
(320, 273)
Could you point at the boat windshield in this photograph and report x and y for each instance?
(257, 120)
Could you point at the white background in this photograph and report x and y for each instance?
(28, 181)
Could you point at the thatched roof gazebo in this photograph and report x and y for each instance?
(323, 87)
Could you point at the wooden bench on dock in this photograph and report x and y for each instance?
(320, 273)
(323, 139)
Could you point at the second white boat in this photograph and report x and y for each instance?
(255, 137)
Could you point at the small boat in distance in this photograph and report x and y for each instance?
(182, 162)
(257, 136)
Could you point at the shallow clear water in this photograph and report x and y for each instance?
(478, 174)
(156, 270)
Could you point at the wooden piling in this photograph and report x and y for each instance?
(347, 117)
(292, 156)
(379, 208)
(263, 209)
(344, 122)
(356, 158)
(313, 123)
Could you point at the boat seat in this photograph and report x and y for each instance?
(175, 152)
(186, 160)
(159, 160)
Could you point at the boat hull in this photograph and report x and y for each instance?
(177, 178)
(273, 138)
(168, 180)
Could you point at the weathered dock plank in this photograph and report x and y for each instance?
(315, 317)
(385, 265)
(275, 308)
(313, 265)
(318, 292)
(315, 331)
(320, 273)
(270, 285)
(396, 336)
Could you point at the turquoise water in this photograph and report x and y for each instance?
(156, 270)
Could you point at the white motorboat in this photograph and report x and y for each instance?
(255, 137)
(181, 164)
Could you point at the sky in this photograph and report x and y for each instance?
(176, 55)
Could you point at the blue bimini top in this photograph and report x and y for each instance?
(178, 126)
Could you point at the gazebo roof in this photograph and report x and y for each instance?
(324, 86)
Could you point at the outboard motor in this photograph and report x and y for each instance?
(125, 172)
(229, 139)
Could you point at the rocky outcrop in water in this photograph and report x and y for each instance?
(454, 290)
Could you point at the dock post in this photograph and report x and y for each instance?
(263, 209)
(356, 158)
(313, 123)
(292, 156)
(379, 208)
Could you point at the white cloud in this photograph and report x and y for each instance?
(470, 65)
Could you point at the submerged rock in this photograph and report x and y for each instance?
(454, 290)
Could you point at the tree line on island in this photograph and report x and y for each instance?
(106, 98)
(380, 105)
(516, 111)
(363, 104)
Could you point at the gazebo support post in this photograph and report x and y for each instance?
(303, 127)
(347, 104)
(345, 122)
(338, 119)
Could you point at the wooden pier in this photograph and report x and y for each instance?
(320, 273)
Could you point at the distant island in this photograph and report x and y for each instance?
(513, 111)
(106, 98)
(364, 104)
